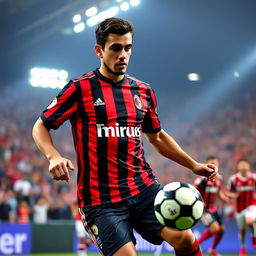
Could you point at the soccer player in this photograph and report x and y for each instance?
(242, 187)
(84, 241)
(109, 110)
(211, 218)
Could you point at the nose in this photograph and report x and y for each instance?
(122, 54)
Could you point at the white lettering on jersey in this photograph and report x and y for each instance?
(245, 188)
(118, 131)
(211, 189)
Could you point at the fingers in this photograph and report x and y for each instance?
(60, 171)
(70, 165)
(214, 171)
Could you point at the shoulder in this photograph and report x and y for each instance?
(253, 175)
(199, 180)
(220, 177)
(232, 178)
(138, 81)
(84, 77)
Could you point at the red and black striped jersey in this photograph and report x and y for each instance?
(209, 190)
(107, 122)
(246, 189)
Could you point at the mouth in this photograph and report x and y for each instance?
(122, 65)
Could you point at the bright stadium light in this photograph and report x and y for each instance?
(236, 74)
(193, 77)
(63, 74)
(77, 18)
(48, 78)
(92, 21)
(79, 27)
(124, 6)
(91, 11)
(134, 2)
(119, 1)
(111, 12)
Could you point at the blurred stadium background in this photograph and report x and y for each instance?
(200, 58)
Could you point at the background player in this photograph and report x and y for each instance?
(84, 240)
(242, 187)
(109, 110)
(211, 218)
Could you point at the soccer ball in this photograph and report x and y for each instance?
(178, 206)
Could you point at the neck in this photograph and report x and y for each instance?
(107, 73)
(243, 174)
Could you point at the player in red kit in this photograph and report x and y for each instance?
(109, 111)
(242, 187)
(211, 218)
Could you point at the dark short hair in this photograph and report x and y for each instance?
(242, 160)
(112, 25)
(211, 158)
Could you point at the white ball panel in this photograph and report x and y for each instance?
(172, 186)
(159, 197)
(185, 196)
(197, 193)
(198, 209)
(170, 209)
(159, 218)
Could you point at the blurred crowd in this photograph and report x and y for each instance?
(27, 191)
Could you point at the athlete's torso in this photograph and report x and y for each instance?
(209, 190)
(245, 187)
(107, 123)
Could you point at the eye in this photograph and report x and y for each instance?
(128, 47)
(116, 47)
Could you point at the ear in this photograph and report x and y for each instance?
(98, 50)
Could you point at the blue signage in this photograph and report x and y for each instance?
(15, 239)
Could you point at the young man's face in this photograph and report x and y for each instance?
(243, 167)
(116, 54)
(213, 161)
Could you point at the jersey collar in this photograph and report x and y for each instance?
(107, 80)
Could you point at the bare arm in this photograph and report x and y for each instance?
(233, 195)
(169, 148)
(58, 165)
(223, 197)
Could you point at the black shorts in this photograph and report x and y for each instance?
(112, 225)
(209, 217)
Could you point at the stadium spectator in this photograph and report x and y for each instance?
(23, 212)
(23, 189)
(5, 209)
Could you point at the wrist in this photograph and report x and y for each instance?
(52, 155)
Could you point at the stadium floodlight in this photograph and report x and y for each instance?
(79, 27)
(124, 6)
(134, 2)
(92, 21)
(77, 18)
(48, 78)
(111, 12)
(236, 74)
(91, 11)
(119, 1)
(193, 77)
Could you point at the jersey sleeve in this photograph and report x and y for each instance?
(231, 184)
(200, 182)
(61, 108)
(151, 123)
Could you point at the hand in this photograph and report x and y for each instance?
(208, 170)
(59, 168)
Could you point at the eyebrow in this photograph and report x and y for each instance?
(117, 44)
